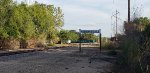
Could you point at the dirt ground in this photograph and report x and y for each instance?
(64, 60)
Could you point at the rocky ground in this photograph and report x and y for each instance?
(64, 60)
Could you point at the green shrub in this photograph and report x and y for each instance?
(131, 56)
(51, 45)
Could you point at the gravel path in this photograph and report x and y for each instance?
(65, 60)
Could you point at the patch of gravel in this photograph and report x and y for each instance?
(65, 60)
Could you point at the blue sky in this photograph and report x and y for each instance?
(96, 14)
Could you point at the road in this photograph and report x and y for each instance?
(64, 60)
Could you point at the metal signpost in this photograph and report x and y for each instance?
(90, 31)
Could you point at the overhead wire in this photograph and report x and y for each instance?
(137, 8)
(120, 19)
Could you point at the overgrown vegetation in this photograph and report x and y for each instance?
(135, 45)
(23, 23)
(107, 44)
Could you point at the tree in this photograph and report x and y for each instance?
(73, 36)
(5, 12)
(141, 22)
(64, 36)
(25, 22)
(89, 36)
(58, 17)
(47, 19)
(53, 36)
(68, 35)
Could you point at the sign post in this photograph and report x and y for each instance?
(80, 41)
(90, 31)
(100, 40)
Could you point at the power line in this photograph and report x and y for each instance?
(137, 9)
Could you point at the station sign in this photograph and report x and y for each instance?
(90, 31)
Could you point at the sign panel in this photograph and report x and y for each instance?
(90, 31)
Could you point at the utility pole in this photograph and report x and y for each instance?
(128, 10)
(116, 24)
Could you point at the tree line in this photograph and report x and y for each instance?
(23, 22)
(76, 37)
(28, 26)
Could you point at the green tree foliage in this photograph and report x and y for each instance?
(63, 35)
(58, 17)
(5, 10)
(47, 19)
(53, 37)
(23, 21)
(73, 36)
(89, 36)
(141, 22)
(68, 35)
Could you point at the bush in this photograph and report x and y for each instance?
(131, 57)
(6, 44)
(31, 43)
(23, 22)
(135, 47)
(40, 45)
(109, 46)
(51, 44)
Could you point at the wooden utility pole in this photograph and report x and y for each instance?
(128, 10)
